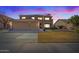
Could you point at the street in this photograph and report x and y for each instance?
(27, 43)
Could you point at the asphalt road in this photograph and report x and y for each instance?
(27, 43)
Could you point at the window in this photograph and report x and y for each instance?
(33, 17)
(23, 17)
(40, 18)
(47, 25)
(46, 18)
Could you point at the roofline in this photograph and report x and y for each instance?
(59, 20)
(35, 15)
(7, 16)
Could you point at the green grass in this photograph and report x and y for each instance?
(59, 37)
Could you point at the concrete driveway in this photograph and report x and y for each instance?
(11, 41)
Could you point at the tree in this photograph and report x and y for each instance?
(74, 20)
(4, 21)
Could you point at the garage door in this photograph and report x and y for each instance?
(24, 25)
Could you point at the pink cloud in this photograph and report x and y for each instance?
(69, 11)
(66, 10)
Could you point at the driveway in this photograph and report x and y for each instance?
(11, 41)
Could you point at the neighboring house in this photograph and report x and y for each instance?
(4, 21)
(63, 24)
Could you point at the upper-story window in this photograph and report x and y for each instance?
(39, 18)
(23, 17)
(33, 17)
(46, 18)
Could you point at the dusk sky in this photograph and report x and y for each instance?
(58, 12)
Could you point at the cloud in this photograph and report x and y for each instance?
(67, 10)
(41, 10)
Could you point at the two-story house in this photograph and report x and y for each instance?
(44, 21)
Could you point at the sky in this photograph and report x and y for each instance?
(57, 12)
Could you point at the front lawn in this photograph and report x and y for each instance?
(59, 37)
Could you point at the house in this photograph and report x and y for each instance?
(44, 21)
(33, 22)
(27, 22)
(63, 24)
